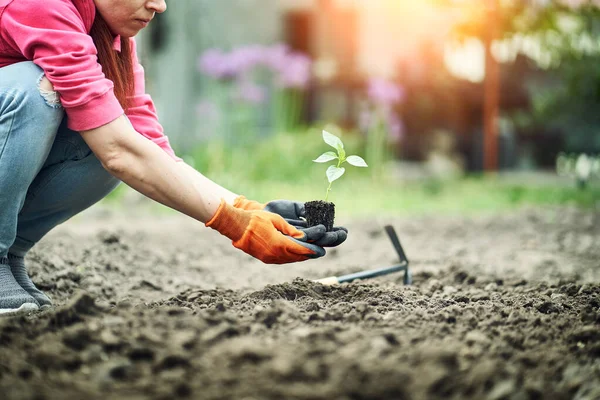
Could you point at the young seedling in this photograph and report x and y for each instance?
(334, 172)
(323, 212)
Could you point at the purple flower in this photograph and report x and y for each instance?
(296, 72)
(384, 92)
(292, 69)
(276, 57)
(216, 64)
(391, 121)
(250, 92)
(244, 59)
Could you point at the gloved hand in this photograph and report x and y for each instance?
(293, 212)
(266, 236)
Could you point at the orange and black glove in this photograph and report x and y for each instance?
(294, 213)
(266, 236)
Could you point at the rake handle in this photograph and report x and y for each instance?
(334, 280)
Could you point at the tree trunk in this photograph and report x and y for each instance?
(491, 91)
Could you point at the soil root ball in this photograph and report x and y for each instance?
(320, 212)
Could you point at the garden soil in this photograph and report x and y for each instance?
(503, 306)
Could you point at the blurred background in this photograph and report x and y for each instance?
(456, 105)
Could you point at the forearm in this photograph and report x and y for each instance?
(149, 170)
(204, 185)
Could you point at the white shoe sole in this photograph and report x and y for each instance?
(25, 308)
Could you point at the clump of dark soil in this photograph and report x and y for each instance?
(320, 212)
(506, 309)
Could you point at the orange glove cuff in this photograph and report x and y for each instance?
(229, 221)
(243, 203)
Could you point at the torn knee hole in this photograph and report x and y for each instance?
(47, 91)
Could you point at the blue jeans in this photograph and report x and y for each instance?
(47, 172)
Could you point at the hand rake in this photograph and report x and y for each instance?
(372, 273)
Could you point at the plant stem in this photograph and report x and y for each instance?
(340, 162)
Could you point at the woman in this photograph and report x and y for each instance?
(75, 121)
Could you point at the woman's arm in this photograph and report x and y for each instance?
(145, 167)
(141, 111)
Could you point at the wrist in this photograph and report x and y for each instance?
(243, 203)
(229, 221)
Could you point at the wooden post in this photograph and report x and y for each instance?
(491, 90)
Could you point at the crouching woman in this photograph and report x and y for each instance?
(75, 121)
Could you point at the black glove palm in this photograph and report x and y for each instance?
(294, 213)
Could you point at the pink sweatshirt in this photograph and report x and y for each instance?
(54, 34)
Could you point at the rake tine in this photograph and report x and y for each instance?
(396, 242)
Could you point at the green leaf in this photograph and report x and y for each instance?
(334, 173)
(333, 141)
(357, 161)
(328, 156)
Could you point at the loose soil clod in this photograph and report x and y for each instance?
(320, 212)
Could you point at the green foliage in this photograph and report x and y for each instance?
(388, 197)
(568, 98)
(334, 172)
(281, 167)
(285, 157)
(572, 104)
(566, 37)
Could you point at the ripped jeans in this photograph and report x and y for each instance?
(47, 172)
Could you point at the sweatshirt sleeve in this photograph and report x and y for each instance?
(142, 112)
(54, 37)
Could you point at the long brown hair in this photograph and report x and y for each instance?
(116, 65)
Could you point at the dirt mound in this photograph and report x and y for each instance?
(136, 320)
